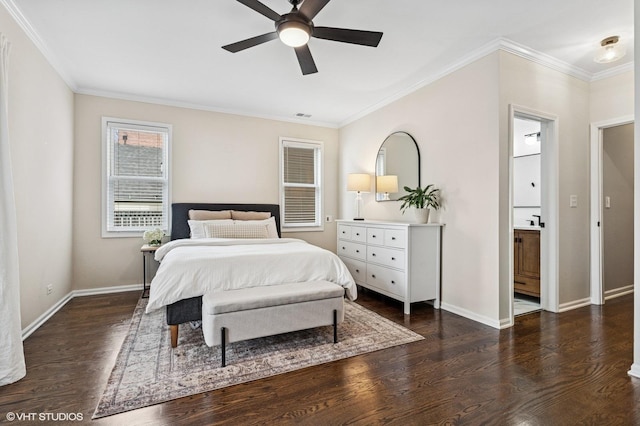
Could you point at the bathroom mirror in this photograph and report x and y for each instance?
(398, 156)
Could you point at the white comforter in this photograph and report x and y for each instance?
(193, 267)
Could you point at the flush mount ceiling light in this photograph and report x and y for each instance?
(610, 50)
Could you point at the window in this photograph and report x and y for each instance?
(301, 185)
(135, 177)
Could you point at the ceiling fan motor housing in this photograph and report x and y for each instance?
(294, 20)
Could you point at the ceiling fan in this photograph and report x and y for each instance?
(296, 27)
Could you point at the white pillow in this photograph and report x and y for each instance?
(272, 230)
(241, 229)
(197, 226)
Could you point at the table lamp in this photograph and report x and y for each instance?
(358, 183)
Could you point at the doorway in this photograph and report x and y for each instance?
(612, 198)
(533, 210)
(527, 191)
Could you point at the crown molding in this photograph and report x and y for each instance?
(612, 72)
(35, 38)
(187, 105)
(505, 45)
(548, 61)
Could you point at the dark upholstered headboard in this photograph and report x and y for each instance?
(180, 214)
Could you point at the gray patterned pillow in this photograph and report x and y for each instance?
(236, 230)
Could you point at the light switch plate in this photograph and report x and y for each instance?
(607, 202)
(573, 201)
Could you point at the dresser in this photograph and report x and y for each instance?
(399, 260)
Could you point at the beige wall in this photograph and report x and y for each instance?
(461, 124)
(612, 97)
(215, 158)
(537, 87)
(617, 220)
(41, 139)
(461, 159)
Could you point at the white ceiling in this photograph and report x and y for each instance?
(170, 51)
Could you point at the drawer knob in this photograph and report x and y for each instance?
(393, 238)
(344, 248)
(373, 276)
(357, 234)
(393, 282)
(357, 251)
(373, 236)
(373, 254)
(358, 271)
(393, 258)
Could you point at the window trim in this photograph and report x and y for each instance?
(142, 125)
(303, 143)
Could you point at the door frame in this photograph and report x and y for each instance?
(595, 183)
(549, 175)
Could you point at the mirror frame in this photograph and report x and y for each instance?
(379, 196)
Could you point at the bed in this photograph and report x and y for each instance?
(189, 309)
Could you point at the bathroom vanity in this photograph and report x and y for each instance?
(526, 261)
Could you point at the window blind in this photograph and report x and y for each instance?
(301, 184)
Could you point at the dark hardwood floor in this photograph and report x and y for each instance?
(550, 369)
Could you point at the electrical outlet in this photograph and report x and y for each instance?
(328, 218)
(49, 289)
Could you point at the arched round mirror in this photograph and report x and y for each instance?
(397, 166)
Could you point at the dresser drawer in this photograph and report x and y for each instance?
(395, 238)
(359, 234)
(386, 256)
(357, 268)
(375, 236)
(386, 279)
(351, 249)
(344, 232)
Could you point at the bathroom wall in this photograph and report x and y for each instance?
(526, 173)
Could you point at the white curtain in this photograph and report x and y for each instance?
(12, 367)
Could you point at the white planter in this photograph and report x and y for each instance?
(422, 215)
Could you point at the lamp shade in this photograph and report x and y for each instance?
(360, 182)
(388, 183)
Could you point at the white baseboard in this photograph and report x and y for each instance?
(471, 315)
(635, 371)
(28, 331)
(575, 304)
(617, 292)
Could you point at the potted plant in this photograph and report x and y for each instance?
(422, 199)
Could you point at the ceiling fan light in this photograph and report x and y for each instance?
(294, 34)
(610, 50)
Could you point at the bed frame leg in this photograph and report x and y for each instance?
(174, 335)
(335, 326)
(223, 345)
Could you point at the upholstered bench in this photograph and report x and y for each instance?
(248, 313)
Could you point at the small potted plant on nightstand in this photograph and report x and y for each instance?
(422, 199)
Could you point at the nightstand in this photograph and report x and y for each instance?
(147, 252)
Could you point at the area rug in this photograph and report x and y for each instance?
(148, 371)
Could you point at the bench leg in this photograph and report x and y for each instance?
(174, 335)
(223, 345)
(335, 326)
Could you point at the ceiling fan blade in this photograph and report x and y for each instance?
(364, 38)
(310, 8)
(307, 64)
(261, 8)
(250, 42)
